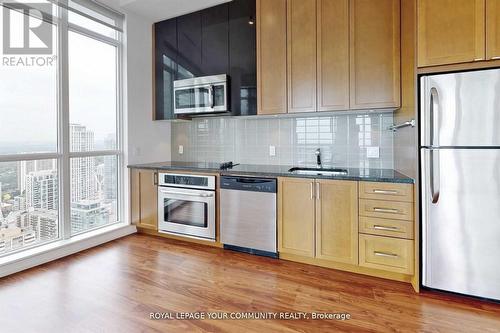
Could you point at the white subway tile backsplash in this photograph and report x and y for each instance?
(343, 140)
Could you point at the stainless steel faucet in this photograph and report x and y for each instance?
(318, 158)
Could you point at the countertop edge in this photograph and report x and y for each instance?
(406, 180)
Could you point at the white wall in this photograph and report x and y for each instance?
(147, 140)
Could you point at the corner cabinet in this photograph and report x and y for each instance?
(375, 54)
(318, 219)
(144, 198)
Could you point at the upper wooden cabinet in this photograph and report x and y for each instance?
(337, 221)
(332, 55)
(144, 203)
(492, 29)
(301, 55)
(271, 57)
(375, 54)
(296, 210)
(451, 31)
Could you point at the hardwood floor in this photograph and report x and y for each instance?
(115, 287)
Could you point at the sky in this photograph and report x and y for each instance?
(28, 95)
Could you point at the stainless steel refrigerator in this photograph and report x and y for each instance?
(460, 188)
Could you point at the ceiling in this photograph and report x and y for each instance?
(158, 10)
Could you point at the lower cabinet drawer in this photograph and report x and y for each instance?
(389, 254)
(386, 227)
(386, 209)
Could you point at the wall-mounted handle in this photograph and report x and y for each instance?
(385, 210)
(385, 254)
(381, 227)
(395, 127)
(385, 191)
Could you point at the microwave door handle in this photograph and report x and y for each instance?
(211, 98)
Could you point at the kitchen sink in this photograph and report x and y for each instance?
(318, 171)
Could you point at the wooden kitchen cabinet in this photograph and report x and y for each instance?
(374, 54)
(296, 213)
(492, 29)
(144, 195)
(451, 31)
(332, 55)
(301, 55)
(337, 221)
(271, 57)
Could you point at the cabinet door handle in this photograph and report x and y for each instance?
(385, 210)
(381, 227)
(385, 191)
(385, 254)
(312, 190)
(155, 178)
(318, 191)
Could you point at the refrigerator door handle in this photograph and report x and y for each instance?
(433, 175)
(433, 117)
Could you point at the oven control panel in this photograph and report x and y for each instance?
(187, 181)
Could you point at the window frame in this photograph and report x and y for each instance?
(63, 154)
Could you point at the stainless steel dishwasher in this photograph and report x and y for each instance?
(248, 214)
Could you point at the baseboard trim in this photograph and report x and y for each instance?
(63, 248)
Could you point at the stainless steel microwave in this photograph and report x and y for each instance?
(208, 94)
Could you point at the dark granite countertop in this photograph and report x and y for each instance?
(375, 175)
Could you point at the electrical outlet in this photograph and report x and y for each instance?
(372, 152)
(272, 151)
(181, 149)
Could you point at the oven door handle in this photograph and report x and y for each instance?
(202, 195)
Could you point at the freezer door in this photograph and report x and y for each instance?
(461, 109)
(461, 220)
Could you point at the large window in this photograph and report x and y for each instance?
(60, 121)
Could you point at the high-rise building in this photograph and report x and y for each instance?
(83, 169)
(88, 214)
(45, 224)
(24, 168)
(42, 190)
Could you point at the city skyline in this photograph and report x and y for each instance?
(29, 205)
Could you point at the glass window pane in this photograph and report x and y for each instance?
(28, 87)
(29, 200)
(92, 93)
(77, 19)
(87, 23)
(94, 192)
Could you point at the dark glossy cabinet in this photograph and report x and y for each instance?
(165, 39)
(217, 40)
(189, 43)
(243, 57)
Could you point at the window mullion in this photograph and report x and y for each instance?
(64, 133)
